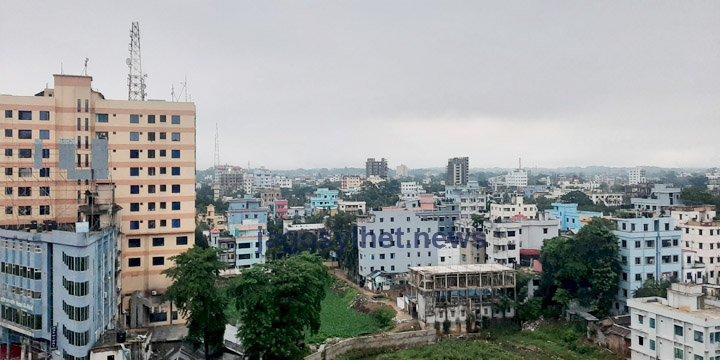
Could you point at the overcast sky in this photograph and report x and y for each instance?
(327, 84)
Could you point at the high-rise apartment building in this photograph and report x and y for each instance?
(61, 142)
(457, 171)
(636, 176)
(377, 168)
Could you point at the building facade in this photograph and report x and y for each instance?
(247, 224)
(636, 176)
(62, 141)
(457, 171)
(324, 199)
(649, 249)
(571, 219)
(378, 168)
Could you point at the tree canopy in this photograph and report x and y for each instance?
(377, 196)
(277, 302)
(585, 268)
(652, 287)
(196, 294)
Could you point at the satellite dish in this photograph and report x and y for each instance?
(127, 61)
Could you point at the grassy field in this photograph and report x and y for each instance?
(551, 341)
(339, 319)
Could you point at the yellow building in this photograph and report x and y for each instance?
(60, 143)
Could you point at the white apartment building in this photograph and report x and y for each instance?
(685, 325)
(471, 198)
(398, 250)
(505, 239)
(282, 182)
(354, 207)
(713, 179)
(607, 199)
(517, 178)
(636, 176)
(683, 214)
(700, 245)
(410, 190)
(662, 197)
(516, 208)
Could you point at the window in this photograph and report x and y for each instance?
(8, 191)
(151, 154)
(24, 134)
(678, 330)
(44, 209)
(134, 207)
(102, 118)
(175, 119)
(641, 319)
(158, 241)
(76, 338)
(176, 189)
(8, 152)
(45, 172)
(134, 119)
(158, 261)
(8, 114)
(24, 191)
(652, 323)
(76, 313)
(25, 153)
(176, 205)
(134, 225)
(163, 136)
(175, 154)
(678, 353)
(45, 153)
(133, 262)
(134, 243)
(181, 240)
(24, 115)
(151, 136)
(44, 115)
(134, 171)
(75, 263)
(698, 336)
(641, 340)
(652, 344)
(134, 136)
(134, 189)
(44, 190)
(175, 223)
(151, 119)
(45, 134)
(175, 170)
(9, 171)
(9, 133)
(75, 288)
(175, 136)
(134, 154)
(25, 172)
(163, 118)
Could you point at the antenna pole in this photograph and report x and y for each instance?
(136, 77)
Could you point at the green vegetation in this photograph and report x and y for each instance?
(340, 318)
(277, 304)
(585, 268)
(549, 341)
(195, 292)
(377, 196)
(652, 288)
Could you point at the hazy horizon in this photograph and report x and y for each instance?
(323, 85)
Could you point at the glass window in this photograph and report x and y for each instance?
(176, 170)
(134, 136)
(158, 241)
(134, 262)
(176, 189)
(134, 243)
(175, 136)
(44, 115)
(8, 114)
(181, 240)
(24, 115)
(652, 323)
(45, 134)
(25, 134)
(176, 205)
(134, 119)
(698, 336)
(25, 153)
(151, 119)
(163, 118)
(134, 171)
(102, 118)
(45, 153)
(158, 260)
(175, 223)
(175, 119)
(678, 330)
(175, 154)
(134, 225)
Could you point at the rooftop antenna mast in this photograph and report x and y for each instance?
(85, 66)
(216, 160)
(136, 78)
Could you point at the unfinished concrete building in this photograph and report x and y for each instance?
(459, 298)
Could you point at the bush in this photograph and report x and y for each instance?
(384, 315)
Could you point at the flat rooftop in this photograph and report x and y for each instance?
(453, 269)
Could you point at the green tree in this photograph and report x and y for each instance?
(196, 293)
(277, 303)
(344, 236)
(576, 197)
(652, 287)
(377, 196)
(585, 268)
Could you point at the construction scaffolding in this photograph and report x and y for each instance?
(461, 294)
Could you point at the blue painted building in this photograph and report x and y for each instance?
(649, 249)
(59, 289)
(571, 219)
(324, 199)
(247, 223)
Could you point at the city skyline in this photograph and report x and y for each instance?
(558, 84)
